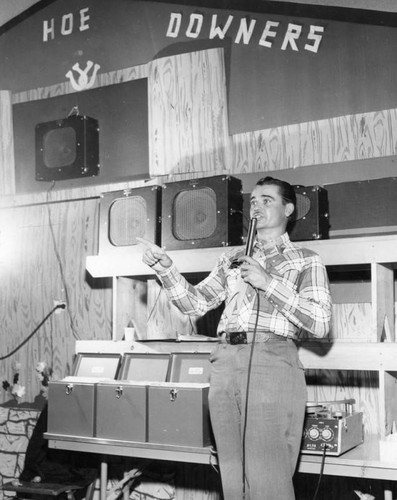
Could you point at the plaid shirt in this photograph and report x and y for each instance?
(296, 299)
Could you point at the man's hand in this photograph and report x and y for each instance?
(154, 256)
(253, 273)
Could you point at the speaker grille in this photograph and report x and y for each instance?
(59, 147)
(127, 220)
(303, 206)
(67, 148)
(202, 213)
(194, 214)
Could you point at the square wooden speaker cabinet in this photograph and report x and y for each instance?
(310, 220)
(202, 213)
(128, 214)
(67, 148)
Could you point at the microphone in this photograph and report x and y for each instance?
(249, 246)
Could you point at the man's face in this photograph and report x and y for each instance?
(268, 208)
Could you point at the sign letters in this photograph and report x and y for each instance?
(192, 27)
(66, 24)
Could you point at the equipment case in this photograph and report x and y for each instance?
(71, 406)
(179, 414)
(121, 411)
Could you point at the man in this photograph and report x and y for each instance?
(257, 389)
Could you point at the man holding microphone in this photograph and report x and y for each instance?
(257, 388)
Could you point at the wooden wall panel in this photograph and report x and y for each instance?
(354, 137)
(177, 142)
(130, 304)
(188, 113)
(335, 385)
(7, 167)
(352, 323)
(31, 269)
(103, 79)
(188, 138)
(164, 320)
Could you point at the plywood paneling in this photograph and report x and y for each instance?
(7, 167)
(42, 259)
(188, 113)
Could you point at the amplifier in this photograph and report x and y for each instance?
(330, 431)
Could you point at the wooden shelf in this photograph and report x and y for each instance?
(362, 461)
(378, 254)
(375, 356)
(334, 252)
(369, 356)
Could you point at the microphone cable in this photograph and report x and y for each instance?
(58, 306)
(321, 473)
(248, 386)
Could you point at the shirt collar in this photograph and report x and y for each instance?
(278, 245)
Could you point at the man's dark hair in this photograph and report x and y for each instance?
(286, 191)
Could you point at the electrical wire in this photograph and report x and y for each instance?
(60, 265)
(248, 386)
(154, 305)
(58, 306)
(321, 473)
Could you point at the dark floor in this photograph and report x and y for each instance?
(340, 488)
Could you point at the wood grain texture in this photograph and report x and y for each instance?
(131, 306)
(70, 194)
(188, 138)
(42, 259)
(7, 166)
(164, 320)
(63, 88)
(188, 113)
(337, 139)
(363, 386)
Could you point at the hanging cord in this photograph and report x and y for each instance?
(248, 385)
(61, 271)
(154, 305)
(58, 306)
(321, 473)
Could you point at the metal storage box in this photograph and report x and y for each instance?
(145, 367)
(97, 365)
(72, 400)
(71, 406)
(191, 367)
(121, 411)
(178, 414)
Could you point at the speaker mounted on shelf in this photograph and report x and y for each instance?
(202, 213)
(310, 220)
(128, 214)
(67, 148)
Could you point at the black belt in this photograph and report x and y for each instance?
(235, 338)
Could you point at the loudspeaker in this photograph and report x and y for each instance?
(67, 148)
(202, 213)
(363, 208)
(310, 220)
(128, 214)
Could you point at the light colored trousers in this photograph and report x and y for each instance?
(275, 415)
